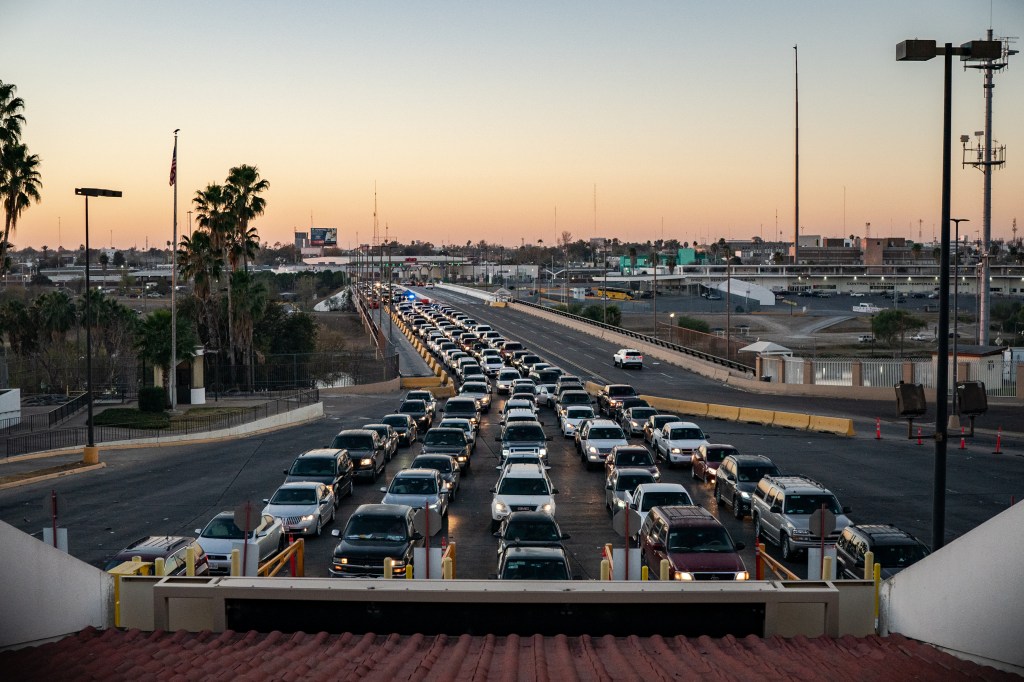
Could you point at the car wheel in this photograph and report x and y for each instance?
(281, 544)
(757, 529)
(333, 514)
(319, 526)
(693, 473)
(718, 494)
(704, 475)
(787, 551)
(737, 508)
(494, 526)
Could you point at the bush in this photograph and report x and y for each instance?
(152, 399)
(693, 323)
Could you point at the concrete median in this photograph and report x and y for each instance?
(791, 420)
(837, 425)
(752, 415)
(726, 412)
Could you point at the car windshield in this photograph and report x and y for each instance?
(686, 434)
(575, 399)
(665, 499)
(453, 424)
(642, 412)
(313, 466)
(294, 496)
(460, 407)
(898, 556)
(579, 412)
(474, 388)
(416, 395)
(397, 422)
(663, 419)
(631, 481)
(640, 458)
(606, 433)
(521, 432)
(752, 474)
(532, 531)
(703, 539)
(535, 569)
(444, 438)
(413, 485)
(382, 431)
(379, 528)
(523, 486)
(621, 391)
(351, 441)
(509, 375)
(806, 504)
(413, 407)
(223, 527)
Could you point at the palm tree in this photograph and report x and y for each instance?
(19, 186)
(243, 188)
(57, 314)
(248, 310)
(11, 116)
(201, 263)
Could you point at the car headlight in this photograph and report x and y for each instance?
(543, 452)
(462, 458)
(619, 502)
(343, 561)
(742, 575)
(744, 496)
(366, 461)
(308, 517)
(683, 575)
(505, 453)
(592, 450)
(657, 475)
(677, 451)
(633, 424)
(547, 508)
(500, 507)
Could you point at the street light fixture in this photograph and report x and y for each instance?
(923, 50)
(91, 455)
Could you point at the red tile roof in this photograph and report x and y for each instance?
(133, 655)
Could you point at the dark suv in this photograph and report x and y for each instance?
(736, 479)
(365, 448)
(330, 466)
(894, 550)
(172, 550)
(695, 544)
(610, 398)
(373, 533)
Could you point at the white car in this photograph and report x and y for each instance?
(522, 487)
(546, 395)
(575, 414)
(922, 336)
(628, 357)
(505, 378)
(677, 441)
(649, 495)
(491, 364)
(304, 507)
(460, 423)
(221, 535)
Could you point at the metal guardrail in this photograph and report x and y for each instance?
(56, 439)
(707, 357)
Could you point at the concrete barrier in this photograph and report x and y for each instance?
(791, 420)
(727, 412)
(681, 407)
(592, 388)
(420, 382)
(752, 415)
(837, 425)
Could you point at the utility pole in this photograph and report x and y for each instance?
(796, 159)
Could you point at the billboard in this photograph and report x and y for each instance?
(323, 236)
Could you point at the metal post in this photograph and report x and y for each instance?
(88, 330)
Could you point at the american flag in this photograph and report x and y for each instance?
(174, 164)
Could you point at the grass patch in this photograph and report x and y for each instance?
(208, 413)
(131, 417)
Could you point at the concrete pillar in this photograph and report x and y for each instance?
(857, 370)
(908, 372)
(198, 394)
(808, 371)
(158, 376)
(759, 366)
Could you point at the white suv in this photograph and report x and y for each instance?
(625, 357)
(522, 487)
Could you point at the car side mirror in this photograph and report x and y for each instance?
(776, 508)
(497, 535)
(325, 501)
(494, 489)
(554, 491)
(607, 486)
(417, 536)
(497, 439)
(285, 472)
(336, 533)
(566, 536)
(633, 505)
(382, 489)
(266, 500)
(740, 546)
(847, 510)
(198, 531)
(658, 546)
(549, 437)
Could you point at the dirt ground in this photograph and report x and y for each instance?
(340, 330)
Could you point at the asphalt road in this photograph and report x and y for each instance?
(173, 490)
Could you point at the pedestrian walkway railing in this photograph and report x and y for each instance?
(56, 439)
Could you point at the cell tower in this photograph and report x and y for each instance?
(985, 155)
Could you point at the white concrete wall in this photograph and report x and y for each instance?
(968, 597)
(46, 593)
(10, 405)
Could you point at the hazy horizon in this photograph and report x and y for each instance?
(497, 122)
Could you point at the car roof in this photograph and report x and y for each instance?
(357, 432)
(751, 459)
(682, 424)
(155, 545)
(631, 471)
(444, 429)
(604, 422)
(300, 484)
(663, 487)
(687, 514)
(416, 473)
(524, 470)
(533, 552)
(321, 452)
(885, 534)
(381, 509)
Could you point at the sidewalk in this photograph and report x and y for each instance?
(410, 362)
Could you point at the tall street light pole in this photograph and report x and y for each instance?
(923, 50)
(956, 300)
(91, 455)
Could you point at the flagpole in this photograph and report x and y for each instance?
(172, 373)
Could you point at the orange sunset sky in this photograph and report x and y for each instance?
(497, 120)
